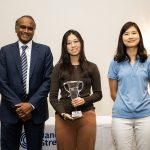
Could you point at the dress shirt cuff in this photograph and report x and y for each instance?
(32, 106)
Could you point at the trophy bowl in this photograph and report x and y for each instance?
(74, 88)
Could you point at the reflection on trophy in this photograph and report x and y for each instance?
(74, 88)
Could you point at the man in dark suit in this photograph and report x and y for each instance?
(24, 102)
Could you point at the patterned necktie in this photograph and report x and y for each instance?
(24, 66)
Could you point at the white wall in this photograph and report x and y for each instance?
(98, 21)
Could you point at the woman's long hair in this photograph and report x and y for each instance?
(121, 54)
(65, 56)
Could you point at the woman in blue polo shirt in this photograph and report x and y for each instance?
(129, 75)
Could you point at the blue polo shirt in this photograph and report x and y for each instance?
(133, 99)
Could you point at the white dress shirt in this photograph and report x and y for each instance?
(28, 53)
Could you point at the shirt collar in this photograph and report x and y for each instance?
(137, 58)
(29, 44)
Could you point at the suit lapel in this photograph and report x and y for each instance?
(34, 57)
(16, 55)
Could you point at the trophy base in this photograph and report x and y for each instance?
(76, 114)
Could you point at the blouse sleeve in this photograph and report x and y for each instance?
(148, 61)
(96, 85)
(54, 91)
(113, 70)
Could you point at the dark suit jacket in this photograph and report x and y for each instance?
(11, 81)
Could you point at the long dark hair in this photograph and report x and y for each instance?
(121, 54)
(65, 56)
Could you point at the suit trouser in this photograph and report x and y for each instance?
(129, 132)
(10, 135)
(79, 134)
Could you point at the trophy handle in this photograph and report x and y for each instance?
(65, 87)
(82, 84)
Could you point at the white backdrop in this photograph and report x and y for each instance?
(98, 21)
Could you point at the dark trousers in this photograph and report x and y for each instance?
(79, 134)
(10, 135)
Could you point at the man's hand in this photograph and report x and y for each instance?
(24, 110)
(28, 117)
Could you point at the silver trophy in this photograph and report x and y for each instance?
(74, 88)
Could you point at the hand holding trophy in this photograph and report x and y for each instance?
(74, 88)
